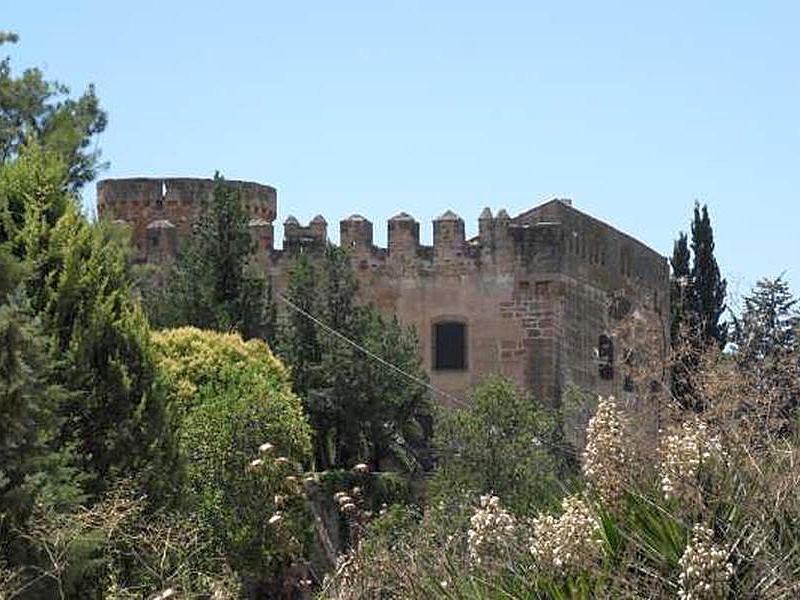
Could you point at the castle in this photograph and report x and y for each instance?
(535, 297)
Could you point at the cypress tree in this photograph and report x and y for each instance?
(697, 303)
(681, 290)
(708, 287)
(77, 283)
(679, 284)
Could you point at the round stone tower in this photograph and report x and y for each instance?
(156, 208)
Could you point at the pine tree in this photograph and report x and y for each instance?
(766, 337)
(34, 109)
(299, 341)
(708, 287)
(768, 325)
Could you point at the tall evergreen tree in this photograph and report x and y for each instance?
(768, 325)
(33, 467)
(680, 284)
(680, 303)
(299, 340)
(76, 277)
(767, 349)
(213, 285)
(360, 410)
(697, 303)
(708, 286)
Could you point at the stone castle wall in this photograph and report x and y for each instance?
(535, 292)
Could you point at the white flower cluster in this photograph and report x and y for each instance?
(605, 459)
(682, 454)
(704, 568)
(570, 541)
(492, 532)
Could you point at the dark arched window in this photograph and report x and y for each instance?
(449, 346)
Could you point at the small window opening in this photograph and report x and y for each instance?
(450, 345)
(628, 384)
(605, 353)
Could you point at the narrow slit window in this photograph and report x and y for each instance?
(450, 346)
(605, 352)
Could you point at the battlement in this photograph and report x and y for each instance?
(552, 237)
(403, 236)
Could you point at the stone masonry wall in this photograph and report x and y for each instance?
(535, 291)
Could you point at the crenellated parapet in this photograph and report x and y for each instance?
(551, 237)
(501, 242)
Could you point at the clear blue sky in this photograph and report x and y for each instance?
(632, 110)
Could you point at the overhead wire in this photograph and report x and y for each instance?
(455, 399)
(370, 354)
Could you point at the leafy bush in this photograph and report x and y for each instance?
(503, 442)
(243, 439)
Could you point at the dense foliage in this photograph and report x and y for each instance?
(338, 377)
(713, 514)
(231, 397)
(74, 276)
(503, 442)
(80, 397)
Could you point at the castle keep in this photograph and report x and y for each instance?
(536, 297)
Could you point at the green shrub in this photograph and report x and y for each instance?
(503, 442)
(230, 397)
